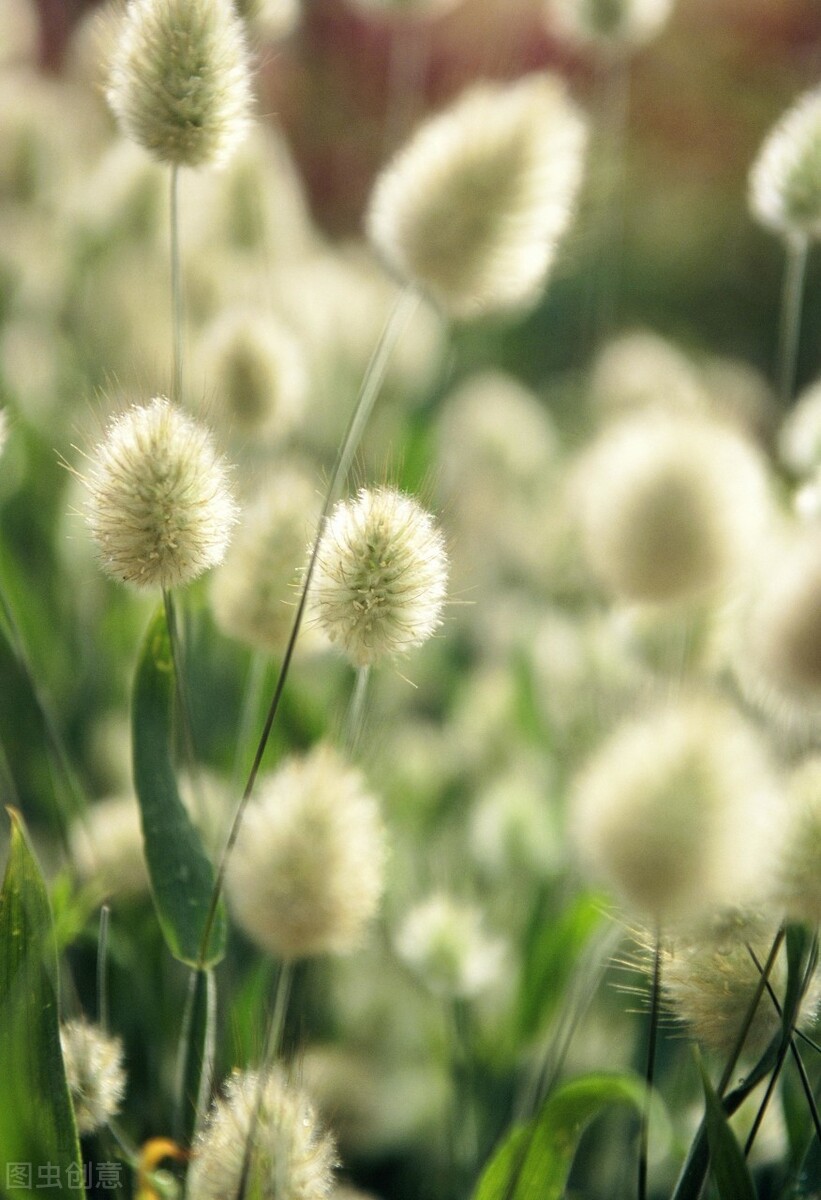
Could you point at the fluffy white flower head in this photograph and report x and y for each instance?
(159, 506)
(671, 505)
(678, 811)
(778, 657)
(472, 209)
(610, 24)
(179, 80)
(307, 873)
(292, 1157)
(381, 576)
(95, 1074)
(708, 980)
(444, 941)
(785, 180)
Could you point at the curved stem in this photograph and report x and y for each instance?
(375, 373)
(790, 325)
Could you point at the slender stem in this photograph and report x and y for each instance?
(102, 964)
(790, 325)
(189, 1031)
(396, 322)
(650, 1070)
(273, 1042)
(176, 286)
(613, 104)
(799, 1062)
(356, 709)
(749, 1016)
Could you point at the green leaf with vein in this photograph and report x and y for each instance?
(533, 1163)
(37, 1125)
(182, 877)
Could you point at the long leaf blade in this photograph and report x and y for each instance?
(182, 877)
(729, 1167)
(38, 1132)
(534, 1161)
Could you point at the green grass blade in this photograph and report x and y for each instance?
(535, 1160)
(182, 878)
(728, 1165)
(38, 1132)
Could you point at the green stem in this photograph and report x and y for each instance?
(176, 286)
(102, 965)
(374, 375)
(273, 1042)
(356, 710)
(186, 726)
(798, 1060)
(650, 1070)
(790, 325)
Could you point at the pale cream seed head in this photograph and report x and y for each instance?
(785, 180)
(614, 25)
(94, 1071)
(679, 812)
(777, 651)
(292, 1157)
(799, 439)
(107, 848)
(472, 209)
(444, 941)
(671, 507)
(381, 576)
(256, 369)
(307, 874)
(159, 506)
(179, 80)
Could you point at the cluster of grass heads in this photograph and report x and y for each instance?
(413, 777)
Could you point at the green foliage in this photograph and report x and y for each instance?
(182, 878)
(37, 1125)
(535, 1159)
(728, 1165)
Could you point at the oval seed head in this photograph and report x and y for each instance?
(257, 371)
(609, 24)
(291, 1158)
(107, 848)
(159, 507)
(778, 656)
(270, 19)
(671, 506)
(254, 591)
(785, 180)
(179, 80)
(307, 874)
(95, 1074)
(677, 811)
(798, 877)
(708, 980)
(472, 209)
(444, 941)
(799, 439)
(381, 575)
